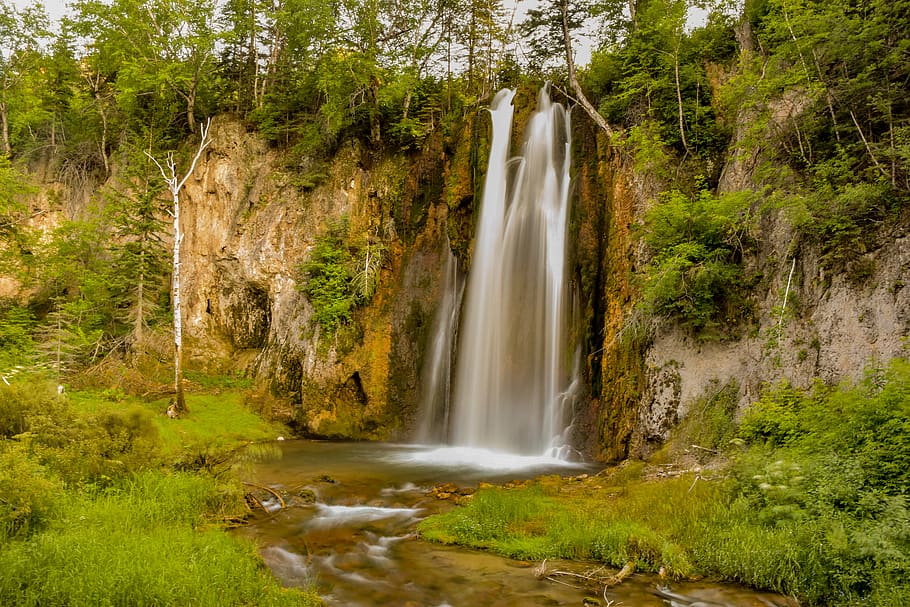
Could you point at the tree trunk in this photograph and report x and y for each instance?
(573, 78)
(107, 163)
(179, 401)
(4, 125)
(139, 325)
(174, 186)
(191, 106)
(679, 100)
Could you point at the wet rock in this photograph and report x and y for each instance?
(307, 495)
(448, 491)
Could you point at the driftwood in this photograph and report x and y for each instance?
(267, 490)
(257, 501)
(591, 578)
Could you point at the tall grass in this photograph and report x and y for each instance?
(143, 541)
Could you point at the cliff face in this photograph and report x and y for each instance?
(249, 228)
(834, 323)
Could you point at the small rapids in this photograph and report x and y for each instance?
(338, 516)
(349, 528)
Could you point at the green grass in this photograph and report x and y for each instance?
(215, 424)
(566, 519)
(146, 540)
(106, 501)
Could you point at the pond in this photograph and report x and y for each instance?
(349, 519)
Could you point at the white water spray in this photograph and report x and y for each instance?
(512, 369)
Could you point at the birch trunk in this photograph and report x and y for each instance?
(179, 400)
(169, 173)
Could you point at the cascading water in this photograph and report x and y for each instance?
(436, 376)
(512, 370)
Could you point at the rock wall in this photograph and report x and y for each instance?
(249, 227)
(834, 324)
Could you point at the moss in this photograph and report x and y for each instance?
(466, 162)
(624, 336)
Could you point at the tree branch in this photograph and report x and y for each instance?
(204, 132)
(573, 78)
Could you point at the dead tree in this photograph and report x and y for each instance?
(174, 185)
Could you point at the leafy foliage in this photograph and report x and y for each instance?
(695, 276)
(834, 461)
(338, 276)
(327, 281)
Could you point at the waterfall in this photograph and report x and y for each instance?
(512, 372)
(436, 374)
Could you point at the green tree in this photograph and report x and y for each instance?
(159, 54)
(13, 211)
(138, 255)
(75, 278)
(21, 33)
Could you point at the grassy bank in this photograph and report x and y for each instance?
(103, 500)
(810, 500)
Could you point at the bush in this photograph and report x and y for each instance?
(695, 276)
(20, 402)
(327, 280)
(836, 462)
(26, 494)
(97, 446)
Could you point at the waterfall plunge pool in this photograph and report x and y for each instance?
(357, 540)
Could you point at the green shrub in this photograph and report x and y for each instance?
(26, 494)
(95, 446)
(342, 272)
(22, 401)
(836, 462)
(774, 417)
(695, 275)
(328, 278)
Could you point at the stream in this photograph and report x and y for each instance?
(349, 521)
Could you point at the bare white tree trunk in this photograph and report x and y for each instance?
(169, 173)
